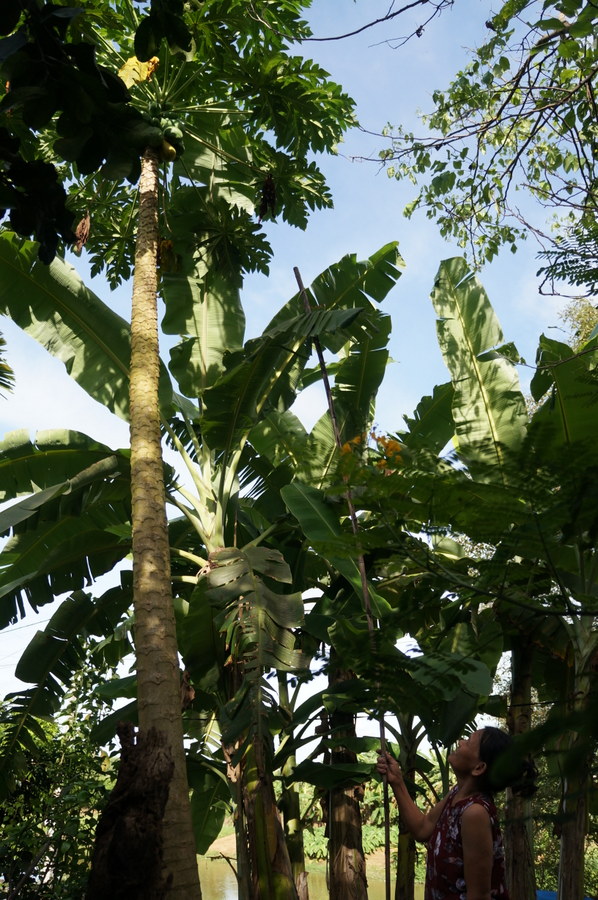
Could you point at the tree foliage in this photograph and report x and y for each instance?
(261, 513)
(520, 117)
(48, 825)
(228, 101)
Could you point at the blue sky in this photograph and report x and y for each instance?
(389, 85)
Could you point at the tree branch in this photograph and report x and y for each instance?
(438, 7)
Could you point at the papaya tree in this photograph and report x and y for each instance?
(95, 135)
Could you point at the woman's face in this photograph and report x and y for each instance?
(466, 755)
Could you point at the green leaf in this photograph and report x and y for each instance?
(51, 459)
(19, 512)
(321, 526)
(67, 534)
(52, 305)
(488, 406)
(200, 643)
(279, 436)
(431, 427)
(264, 377)
(49, 661)
(257, 622)
(208, 313)
(348, 284)
(105, 730)
(210, 800)
(568, 417)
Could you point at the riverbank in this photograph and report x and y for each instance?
(225, 848)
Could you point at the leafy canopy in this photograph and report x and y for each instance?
(212, 86)
(520, 117)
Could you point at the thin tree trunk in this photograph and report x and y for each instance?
(519, 852)
(347, 861)
(158, 675)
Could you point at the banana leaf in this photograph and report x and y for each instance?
(53, 306)
(488, 406)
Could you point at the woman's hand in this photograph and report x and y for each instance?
(388, 767)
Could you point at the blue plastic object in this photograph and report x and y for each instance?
(550, 895)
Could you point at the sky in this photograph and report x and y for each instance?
(390, 83)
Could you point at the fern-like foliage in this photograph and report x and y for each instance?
(575, 259)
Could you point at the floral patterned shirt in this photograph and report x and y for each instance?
(444, 873)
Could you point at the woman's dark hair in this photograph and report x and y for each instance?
(504, 765)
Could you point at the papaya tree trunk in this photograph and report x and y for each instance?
(158, 678)
(519, 853)
(346, 857)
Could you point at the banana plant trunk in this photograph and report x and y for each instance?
(573, 835)
(519, 852)
(158, 675)
(291, 808)
(271, 872)
(346, 857)
(577, 780)
(406, 852)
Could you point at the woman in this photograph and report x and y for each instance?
(465, 850)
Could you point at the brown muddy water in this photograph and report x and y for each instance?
(218, 882)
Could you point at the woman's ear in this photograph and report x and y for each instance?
(479, 768)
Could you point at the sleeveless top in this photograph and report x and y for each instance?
(444, 872)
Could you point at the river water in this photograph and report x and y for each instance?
(218, 882)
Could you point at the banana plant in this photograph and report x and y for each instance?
(219, 450)
(517, 487)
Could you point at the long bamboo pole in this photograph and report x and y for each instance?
(362, 570)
